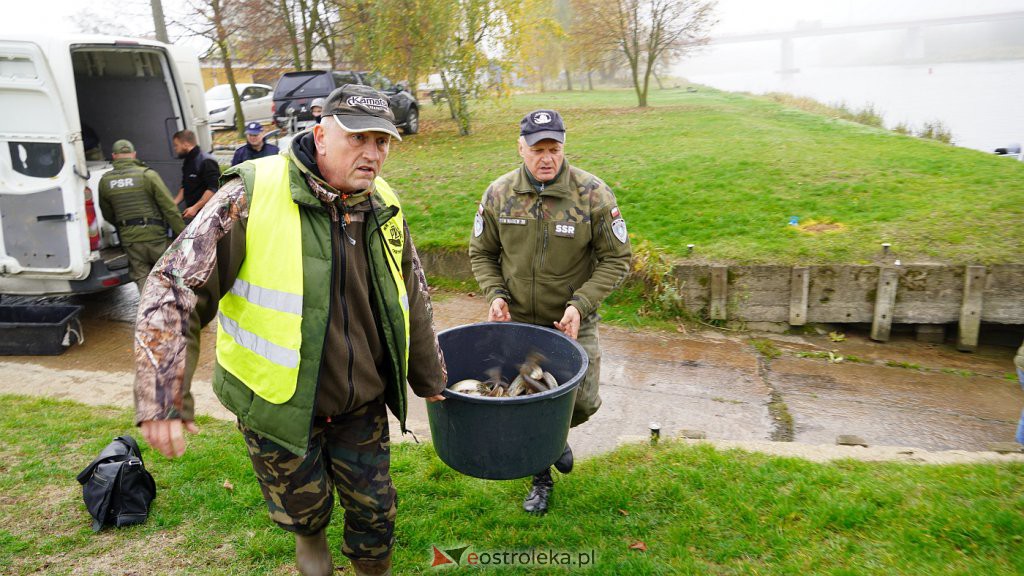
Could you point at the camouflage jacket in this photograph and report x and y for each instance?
(185, 286)
(543, 247)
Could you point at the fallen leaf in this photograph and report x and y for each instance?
(638, 545)
(471, 295)
(623, 512)
(228, 485)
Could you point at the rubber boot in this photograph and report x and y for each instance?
(537, 500)
(367, 567)
(313, 555)
(565, 461)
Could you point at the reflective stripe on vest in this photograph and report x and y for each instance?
(394, 236)
(259, 334)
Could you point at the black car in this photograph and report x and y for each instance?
(295, 91)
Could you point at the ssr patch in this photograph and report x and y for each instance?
(565, 229)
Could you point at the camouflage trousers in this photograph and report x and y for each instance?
(588, 399)
(350, 453)
(142, 256)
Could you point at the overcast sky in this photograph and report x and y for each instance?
(735, 16)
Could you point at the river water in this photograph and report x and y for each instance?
(981, 103)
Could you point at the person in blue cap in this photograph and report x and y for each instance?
(255, 147)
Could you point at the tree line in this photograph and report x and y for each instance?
(478, 48)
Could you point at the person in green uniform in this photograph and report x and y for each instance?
(548, 245)
(136, 201)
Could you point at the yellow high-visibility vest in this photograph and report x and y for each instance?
(259, 334)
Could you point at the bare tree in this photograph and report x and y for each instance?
(646, 32)
(287, 15)
(216, 21)
(159, 25)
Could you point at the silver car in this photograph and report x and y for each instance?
(257, 104)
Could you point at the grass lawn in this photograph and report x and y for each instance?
(695, 510)
(727, 172)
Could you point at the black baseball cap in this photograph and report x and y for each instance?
(542, 125)
(359, 108)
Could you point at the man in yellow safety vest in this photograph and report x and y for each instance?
(323, 316)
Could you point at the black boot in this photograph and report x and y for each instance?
(564, 462)
(537, 501)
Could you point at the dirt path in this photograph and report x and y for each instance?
(946, 405)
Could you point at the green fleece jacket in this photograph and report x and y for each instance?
(543, 246)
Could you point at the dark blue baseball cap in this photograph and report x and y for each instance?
(253, 128)
(542, 125)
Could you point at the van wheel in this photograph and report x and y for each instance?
(412, 123)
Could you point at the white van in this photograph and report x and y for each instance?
(56, 93)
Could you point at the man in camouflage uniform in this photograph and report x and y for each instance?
(359, 277)
(548, 245)
(134, 198)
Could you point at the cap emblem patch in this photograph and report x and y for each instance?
(378, 104)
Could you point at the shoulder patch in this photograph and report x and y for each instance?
(619, 229)
(615, 212)
(478, 223)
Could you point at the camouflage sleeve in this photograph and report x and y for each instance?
(427, 372)
(181, 296)
(164, 202)
(610, 243)
(485, 250)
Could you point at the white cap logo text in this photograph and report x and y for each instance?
(371, 103)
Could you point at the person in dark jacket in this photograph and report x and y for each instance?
(324, 316)
(200, 174)
(255, 145)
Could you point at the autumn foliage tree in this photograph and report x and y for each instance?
(471, 44)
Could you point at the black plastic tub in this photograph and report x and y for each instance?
(38, 330)
(504, 438)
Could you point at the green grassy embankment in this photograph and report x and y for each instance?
(726, 172)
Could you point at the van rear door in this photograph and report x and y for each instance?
(42, 231)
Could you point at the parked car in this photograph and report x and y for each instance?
(295, 91)
(73, 96)
(257, 104)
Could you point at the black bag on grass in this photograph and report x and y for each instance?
(116, 486)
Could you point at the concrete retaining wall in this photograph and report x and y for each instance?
(881, 295)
